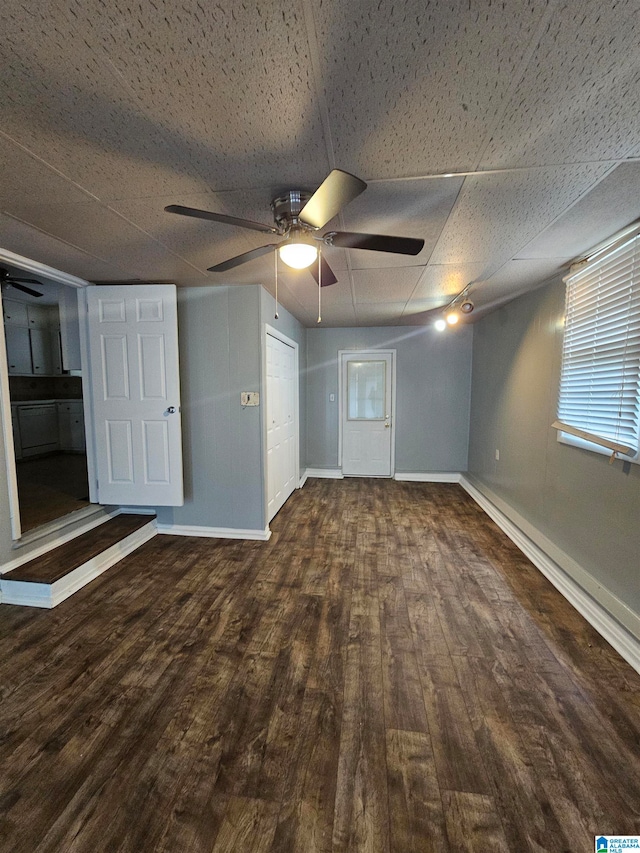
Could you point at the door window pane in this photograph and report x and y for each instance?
(366, 390)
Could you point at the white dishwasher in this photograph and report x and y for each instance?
(38, 428)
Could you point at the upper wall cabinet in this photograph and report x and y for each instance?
(32, 335)
(15, 313)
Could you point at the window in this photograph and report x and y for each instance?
(599, 402)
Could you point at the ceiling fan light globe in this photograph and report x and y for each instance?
(298, 255)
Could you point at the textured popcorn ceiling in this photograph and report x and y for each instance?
(110, 111)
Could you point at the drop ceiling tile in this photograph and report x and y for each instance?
(422, 317)
(579, 98)
(516, 277)
(610, 206)
(31, 180)
(342, 316)
(101, 232)
(387, 314)
(230, 84)
(65, 103)
(402, 209)
(440, 282)
(413, 87)
(36, 245)
(386, 285)
(496, 215)
(306, 291)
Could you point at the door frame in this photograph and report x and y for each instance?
(276, 333)
(79, 284)
(367, 353)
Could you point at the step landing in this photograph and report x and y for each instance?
(51, 578)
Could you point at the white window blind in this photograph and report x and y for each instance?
(600, 380)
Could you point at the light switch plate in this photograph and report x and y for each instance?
(249, 398)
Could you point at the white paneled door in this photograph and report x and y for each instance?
(367, 414)
(133, 344)
(282, 423)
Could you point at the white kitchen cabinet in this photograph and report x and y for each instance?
(41, 357)
(18, 349)
(71, 426)
(38, 425)
(14, 312)
(69, 328)
(39, 316)
(55, 346)
(32, 348)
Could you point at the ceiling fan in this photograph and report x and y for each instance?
(297, 215)
(6, 279)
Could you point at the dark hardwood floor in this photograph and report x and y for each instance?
(387, 673)
(50, 487)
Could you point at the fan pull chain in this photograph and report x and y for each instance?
(319, 285)
(275, 261)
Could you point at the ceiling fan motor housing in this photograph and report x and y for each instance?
(286, 209)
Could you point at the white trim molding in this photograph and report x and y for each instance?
(325, 473)
(49, 595)
(604, 611)
(429, 477)
(303, 478)
(214, 532)
(37, 268)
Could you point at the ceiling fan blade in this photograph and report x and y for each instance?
(14, 283)
(13, 279)
(374, 242)
(328, 276)
(242, 259)
(220, 217)
(336, 191)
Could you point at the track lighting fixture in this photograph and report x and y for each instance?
(460, 304)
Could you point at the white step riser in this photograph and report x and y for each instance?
(49, 595)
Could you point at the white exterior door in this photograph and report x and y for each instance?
(282, 423)
(367, 414)
(133, 346)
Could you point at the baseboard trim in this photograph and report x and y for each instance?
(50, 595)
(622, 631)
(214, 532)
(303, 479)
(429, 477)
(325, 473)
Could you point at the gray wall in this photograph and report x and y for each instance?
(221, 333)
(586, 507)
(222, 442)
(433, 373)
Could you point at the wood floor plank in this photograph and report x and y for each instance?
(415, 804)
(387, 673)
(473, 825)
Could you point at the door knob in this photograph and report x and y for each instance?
(171, 410)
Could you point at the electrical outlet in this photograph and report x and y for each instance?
(497, 455)
(332, 398)
(249, 398)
